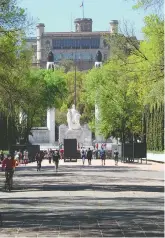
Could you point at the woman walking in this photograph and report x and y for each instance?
(83, 156)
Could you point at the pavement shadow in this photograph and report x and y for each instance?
(40, 174)
(102, 201)
(111, 188)
(82, 215)
(90, 222)
(32, 167)
(84, 187)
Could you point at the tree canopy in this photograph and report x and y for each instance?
(129, 86)
(23, 90)
(128, 89)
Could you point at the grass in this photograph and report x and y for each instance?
(156, 152)
(5, 151)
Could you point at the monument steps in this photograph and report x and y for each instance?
(46, 146)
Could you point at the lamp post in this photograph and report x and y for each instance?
(97, 64)
(47, 48)
(75, 83)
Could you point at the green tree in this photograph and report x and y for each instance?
(130, 86)
(43, 89)
(12, 17)
(149, 4)
(67, 65)
(119, 111)
(15, 61)
(69, 99)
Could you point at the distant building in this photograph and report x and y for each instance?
(80, 46)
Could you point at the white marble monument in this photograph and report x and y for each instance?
(46, 135)
(74, 130)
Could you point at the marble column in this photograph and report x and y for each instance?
(51, 111)
(40, 32)
(51, 124)
(98, 64)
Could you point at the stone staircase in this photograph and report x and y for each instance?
(46, 146)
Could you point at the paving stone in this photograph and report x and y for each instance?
(90, 201)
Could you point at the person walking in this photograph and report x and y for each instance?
(89, 156)
(116, 156)
(4, 162)
(39, 161)
(1, 156)
(25, 157)
(56, 158)
(62, 153)
(20, 156)
(83, 156)
(94, 153)
(9, 164)
(50, 156)
(102, 156)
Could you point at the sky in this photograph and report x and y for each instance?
(59, 15)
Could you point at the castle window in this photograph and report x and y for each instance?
(76, 43)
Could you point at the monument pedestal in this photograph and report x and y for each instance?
(45, 135)
(98, 64)
(82, 135)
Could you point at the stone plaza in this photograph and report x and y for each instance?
(91, 201)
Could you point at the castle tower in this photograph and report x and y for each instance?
(83, 25)
(40, 28)
(114, 26)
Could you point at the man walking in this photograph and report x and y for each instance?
(102, 155)
(56, 158)
(83, 156)
(116, 156)
(89, 156)
(39, 161)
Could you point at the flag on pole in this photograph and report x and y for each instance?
(82, 5)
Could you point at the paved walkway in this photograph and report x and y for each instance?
(122, 201)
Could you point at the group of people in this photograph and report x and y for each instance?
(9, 162)
(20, 157)
(88, 154)
(50, 155)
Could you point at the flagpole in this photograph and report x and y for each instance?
(82, 5)
(83, 9)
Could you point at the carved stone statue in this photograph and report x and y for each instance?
(99, 56)
(73, 118)
(50, 66)
(50, 57)
(69, 119)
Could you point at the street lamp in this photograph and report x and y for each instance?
(75, 83)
